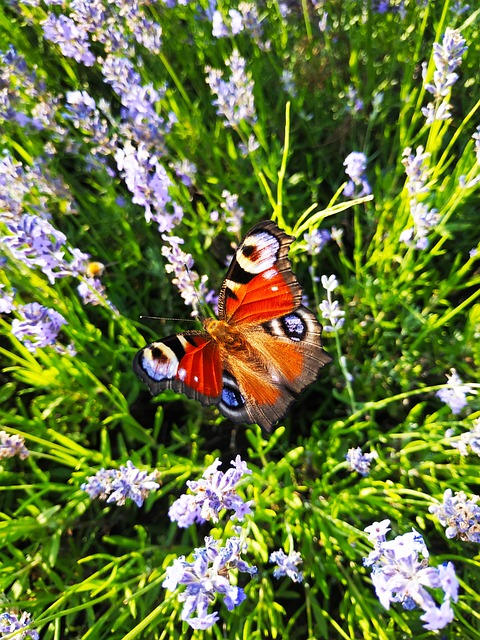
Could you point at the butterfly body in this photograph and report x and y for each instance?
(262, 351)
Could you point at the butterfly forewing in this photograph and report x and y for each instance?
(261, 353)
(260, 284)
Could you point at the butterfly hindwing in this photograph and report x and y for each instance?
(290, 357)
(187, 362)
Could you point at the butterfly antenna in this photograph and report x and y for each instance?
(165, 319)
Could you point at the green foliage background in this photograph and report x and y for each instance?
(87, 570)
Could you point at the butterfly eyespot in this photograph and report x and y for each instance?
(231, 395)
(294, 327)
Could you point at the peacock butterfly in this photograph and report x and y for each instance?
(264, 349)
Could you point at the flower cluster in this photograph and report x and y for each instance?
(211, 494)
(245, 18)
(447, 57)
(6, 300)
(149, 183)
(12, 445)
(424, 218)
(233, 212)
(401, 573)
(459, 515)
(116, 485)
(287, 564)
(185, 278)
(10, 623)
(355, 167)
(455, 393)
(207, 576)
(329, 308)
(469, 439)
(38, 327)
(360, 462)
(234, 99)
(316, 240)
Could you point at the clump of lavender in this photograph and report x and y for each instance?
(18, 81)
(208, 576)
(455, 394)
(355, 167)
(330, 308)
(424, 218)
(214, 492)
(192, 287)
(118, 485)
(234, 99)
(401, 573)
(316, 240)
(12, 445)
(447, 57)
(149, 183)
(245, 18)
(460, 516)
(469, 439)
(287, 565)
(38, 326)
(360, 462)
(6, 300)
(233, 212)
(10, 623)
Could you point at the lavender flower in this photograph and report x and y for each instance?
(460, 516)
(469, 439)
(360, 462)
(6, 300)
(185, 171)
(233, 212)
(329, 308)
(287, 565)
(38, 327)
(424, 218)
(447, 57)
(10, 622)
(71, 38)
(149, 183)
(207, 576)
(91, 291)
(181, 265)
(355, 167)
(401, 573)
(117, 485)
(12, 445)
(210, 495)
(455, 395)
(316, 240)
(234, 99)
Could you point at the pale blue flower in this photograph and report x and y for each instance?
(11, 622)
(38, 326)
(11, 445)
(360, 462)
(210, 495)
(455, 394)
(207, 577)
(460, 515)
(287, 564)
(118, 485)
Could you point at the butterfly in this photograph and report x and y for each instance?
(261, 352)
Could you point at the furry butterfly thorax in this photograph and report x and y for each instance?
(264, 349)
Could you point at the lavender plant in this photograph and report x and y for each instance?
(140, 141)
